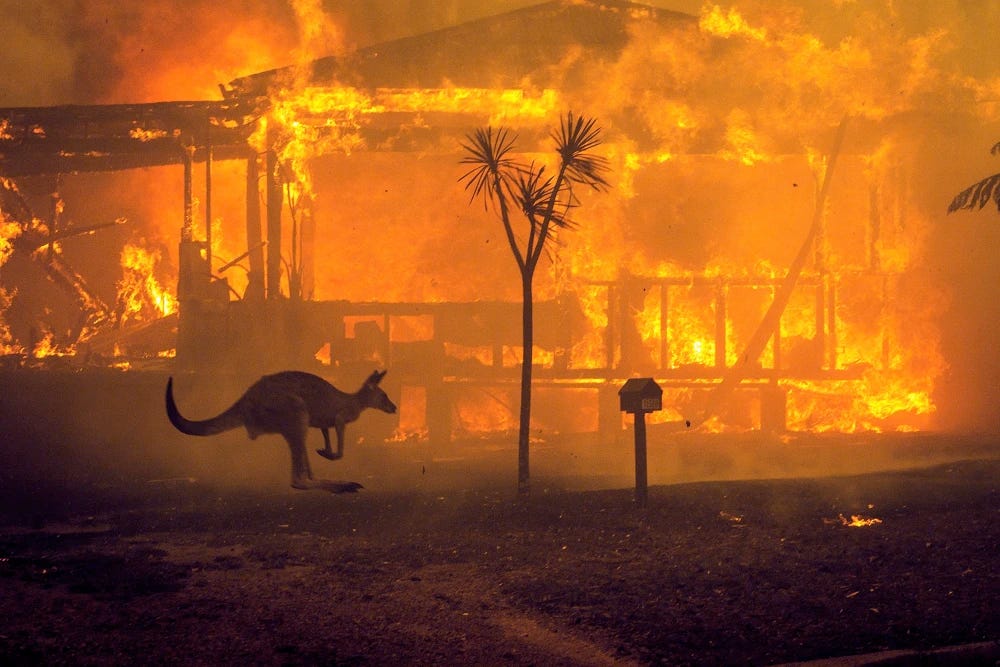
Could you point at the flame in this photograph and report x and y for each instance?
(715, 21)
(47, 347)
(743, 144)
(9, 231)
(882, 337)
(141, 296)
(858, 521)
(308, 121)
(7, 344)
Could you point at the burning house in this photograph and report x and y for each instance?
(760, 253)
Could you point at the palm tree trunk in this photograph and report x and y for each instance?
(527, 349)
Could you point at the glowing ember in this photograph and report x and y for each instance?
(858, 521)
(147, 135)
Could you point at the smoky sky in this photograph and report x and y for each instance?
(107, 51)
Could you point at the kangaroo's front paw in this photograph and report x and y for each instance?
(329, 454)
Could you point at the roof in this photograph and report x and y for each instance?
(548, 44)
(533, 43)
(80, 138)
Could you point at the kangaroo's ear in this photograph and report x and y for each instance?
(376, 377)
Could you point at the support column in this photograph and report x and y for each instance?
(187, 230)
(831, 327)
(821, 321)
(720, 326)
(208, 196)
(255, 242)
(307, 240)
(273, 227)
(664, 327)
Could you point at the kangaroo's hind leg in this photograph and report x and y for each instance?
(295, 434)
(295, 430)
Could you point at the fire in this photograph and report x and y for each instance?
(674, 273)
(858, 521)
(142, 134)
(141, 296)
(7, 345)
(48, 347)
(8, 232)
(715, 21)
(308, 121)
(742, 140)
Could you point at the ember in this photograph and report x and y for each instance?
(858, 521)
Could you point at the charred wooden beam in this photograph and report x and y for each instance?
(76, 138)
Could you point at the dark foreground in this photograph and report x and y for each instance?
(737, 572)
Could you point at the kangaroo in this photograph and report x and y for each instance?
(288, 403)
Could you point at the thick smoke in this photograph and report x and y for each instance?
(103, 52)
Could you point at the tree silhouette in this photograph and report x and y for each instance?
(544, 200)
(977, 195)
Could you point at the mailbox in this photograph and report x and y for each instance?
(640, 395)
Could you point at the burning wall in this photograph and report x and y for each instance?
(719, 128)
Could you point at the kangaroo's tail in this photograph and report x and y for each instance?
(226, 421)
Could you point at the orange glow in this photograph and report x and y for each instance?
(47, 347)
(672, 271)
(141, 296)
(858, 521)
(715, 21)
(412, 408)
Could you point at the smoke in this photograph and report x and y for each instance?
(101, 51)
(107, 52)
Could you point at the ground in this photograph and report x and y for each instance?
(180, 571)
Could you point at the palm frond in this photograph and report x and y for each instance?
(489, 153)
(576, 137)
(533, 190)
(978, 195)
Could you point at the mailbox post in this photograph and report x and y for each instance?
(639, 396)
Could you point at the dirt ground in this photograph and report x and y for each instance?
(178, 571)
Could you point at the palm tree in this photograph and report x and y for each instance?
(977, 195)
(544, 200)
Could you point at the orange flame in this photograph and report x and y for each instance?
(141, 296)
(858, 521)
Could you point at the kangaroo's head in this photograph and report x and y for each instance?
(372, 395)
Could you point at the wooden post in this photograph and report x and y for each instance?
(664, 327)
(187, 231)
(273, 189)
(255, 243)
(307, 256)
(208, 196)
(641, 492)
(831, 327)
(637, 397)
(821, 322)
(720, 325)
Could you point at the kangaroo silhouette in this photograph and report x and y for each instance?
(289, 403)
